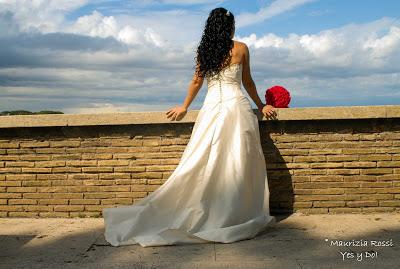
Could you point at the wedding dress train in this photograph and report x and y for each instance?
(219, 190)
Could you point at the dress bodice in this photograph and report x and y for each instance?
(232, 74)
(225, 85)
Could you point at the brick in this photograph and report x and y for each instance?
(160, 168)
(115, 176)
(120, 201)
(21, 177)
(147, 175)
(67, 195)
(10, 195)
(389, 190)
(377, 196)
(67, 208)
(105, 150)
(140, 162)
(36, 170)
(10, 183)
(302, 204)
(97, 156)
(310, 172)
(95, 143)
(19, 164)
(315, 158)
(65, 143)
(130, 169)
(22, 202)
(352, 178)
(360, 190)
(50, 150)
(97, 169)
(84, 201)
(343, 171)
(31, 208)
(388, 150)
(101, 195)
(11, 208)
(326, 165)
(151, 143)
(35, 144)
(35, 183)
(361, 203)
(93, 207)
(9, 145)
(53, 201)
(127, 143)
(133, 194)
(83, 176)
(323, 197)
(66, 182)
(11, 170)
(35, 157)
(389, 164)
(37, 195)
(388, 177)
(22, 214)
(66, 169)
(51, 189)
(50, 164)
(320, 191)
(328, 203)
(358, 151)
(333, 178)
(342, 158)
(9, 157)
(394, 203)
(56, 157)
(51, 177)
(113, 162)
(375, 184)
(77, 151)
(81, 163)
(21, 189)
(359, 164)
(109, 188)
(170, 162)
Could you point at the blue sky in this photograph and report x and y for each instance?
(82, 56)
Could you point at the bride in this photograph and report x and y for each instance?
(219, 190)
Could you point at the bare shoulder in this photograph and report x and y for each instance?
(240, 45)
(240, 50)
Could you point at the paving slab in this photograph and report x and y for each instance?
(295, 241)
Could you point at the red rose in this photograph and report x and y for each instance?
(277, 96)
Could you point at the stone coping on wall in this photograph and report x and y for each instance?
(159, 117)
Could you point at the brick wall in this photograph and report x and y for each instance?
(330, 165)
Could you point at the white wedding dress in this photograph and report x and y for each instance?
(219, 190)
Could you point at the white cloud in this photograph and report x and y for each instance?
(350, 49)
(44, 16)
(275, 8)
(98, 25)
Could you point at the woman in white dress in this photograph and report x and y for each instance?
(219, 190)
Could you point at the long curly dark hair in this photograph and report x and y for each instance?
(213, 52)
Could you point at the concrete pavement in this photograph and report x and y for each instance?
(296, 241)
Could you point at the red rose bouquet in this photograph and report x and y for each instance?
(277, 96)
